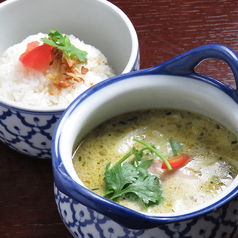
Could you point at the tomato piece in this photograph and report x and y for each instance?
(37, 57)
(30, 46)
(177, 162)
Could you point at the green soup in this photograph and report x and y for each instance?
(212, 150)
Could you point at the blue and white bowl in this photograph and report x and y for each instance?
(172, 84)
(96, 22)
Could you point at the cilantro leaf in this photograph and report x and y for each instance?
(62, 42)
(134, 182)
(145, 164)
(175, 146)
(132, 179)
(118, 177)
(146, 189)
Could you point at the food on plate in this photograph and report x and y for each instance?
(158, 160)
(50, 69)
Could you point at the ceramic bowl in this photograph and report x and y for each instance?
(172, 84)
(96, 22)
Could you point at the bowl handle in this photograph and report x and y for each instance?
(184, 65)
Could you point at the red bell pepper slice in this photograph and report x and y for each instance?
(177, 162)
(37, 56)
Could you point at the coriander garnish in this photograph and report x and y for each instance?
(62, 42)
(132, 179)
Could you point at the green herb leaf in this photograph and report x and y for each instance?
(145, 188)
(175, 146)
(117, 178)
(132, 179)
(145, 164)
(56, 39)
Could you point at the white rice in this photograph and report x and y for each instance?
(29, 87)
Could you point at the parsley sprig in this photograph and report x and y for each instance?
(62, 42)
(132, 179)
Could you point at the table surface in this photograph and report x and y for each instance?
(165, 29)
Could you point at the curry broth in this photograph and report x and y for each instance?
(211, 146)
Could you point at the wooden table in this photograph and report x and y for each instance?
(165, 29)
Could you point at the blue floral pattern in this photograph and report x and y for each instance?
(28, 132)
(85, 223)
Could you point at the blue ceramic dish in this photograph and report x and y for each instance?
(29, 129)
(172, 84)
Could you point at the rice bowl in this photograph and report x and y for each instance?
(28, 128)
